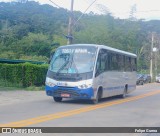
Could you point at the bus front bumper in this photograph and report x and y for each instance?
(70, 92)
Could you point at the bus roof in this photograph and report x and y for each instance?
(104, 47)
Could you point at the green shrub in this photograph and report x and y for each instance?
(23, 74)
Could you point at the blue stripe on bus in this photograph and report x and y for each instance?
(118, 87)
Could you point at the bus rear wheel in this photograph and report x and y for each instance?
(57, 99)
(124, 93)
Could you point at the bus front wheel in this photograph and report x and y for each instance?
(57, 99)
(95, 101)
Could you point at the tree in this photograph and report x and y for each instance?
(133, 11)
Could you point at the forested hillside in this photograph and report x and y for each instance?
(32, 31)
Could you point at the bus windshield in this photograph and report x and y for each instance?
(73, 59)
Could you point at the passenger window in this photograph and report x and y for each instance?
(127, 63)
(102, 62)
(114, 63)
(133, 64)
(120, 61)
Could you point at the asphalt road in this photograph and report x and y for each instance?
(140, 108)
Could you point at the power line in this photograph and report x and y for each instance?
(55, 3)
(84, 12)
(137, 12)
(71, 24)
(71, 19)
(150, 11)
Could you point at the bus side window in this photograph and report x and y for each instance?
(128, 64)
(133, 64)
(102, 62)
(120, 62)
(114, 64)
(135, 60)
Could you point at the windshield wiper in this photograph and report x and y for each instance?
(69, 62)
(72, 62)
(61, 68)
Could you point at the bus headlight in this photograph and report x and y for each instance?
(50, 84)
(84, 86)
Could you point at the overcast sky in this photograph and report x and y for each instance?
(146, 9)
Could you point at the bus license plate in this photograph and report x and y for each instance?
(65, 95)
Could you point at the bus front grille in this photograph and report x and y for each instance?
(71, 92)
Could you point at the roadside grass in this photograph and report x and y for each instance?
(35, 88)
(31, 88)
(7, 86)
(4, 88)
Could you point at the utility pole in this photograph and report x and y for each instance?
(70, 25)
(156, 62)
(151, 60)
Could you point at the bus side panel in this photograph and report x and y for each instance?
(132, 77)
(113, 83)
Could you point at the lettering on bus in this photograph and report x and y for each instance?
(80, 50)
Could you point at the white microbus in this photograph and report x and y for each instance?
(88, 71)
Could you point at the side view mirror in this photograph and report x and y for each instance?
(49, 61)
(97, 73)
(51, 56)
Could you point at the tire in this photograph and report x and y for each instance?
(95, 101)
(124, 93)
(57, 99)
(142, 82)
